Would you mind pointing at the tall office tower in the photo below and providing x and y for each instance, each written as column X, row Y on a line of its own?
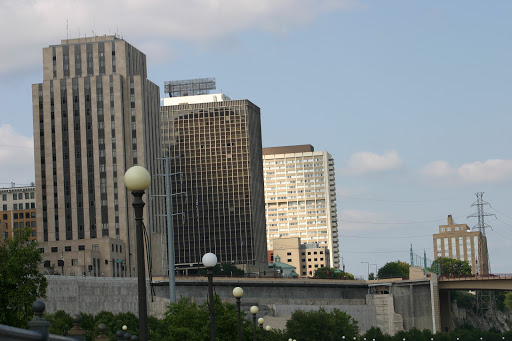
column 459, row 242
column 215, row 146
column 300, row 197
column 17, row 211
column 95, row 115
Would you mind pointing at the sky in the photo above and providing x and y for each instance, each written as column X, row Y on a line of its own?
column 411, row 98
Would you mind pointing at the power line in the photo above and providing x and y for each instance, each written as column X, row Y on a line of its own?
column 396, row 251
column 12, row 146
column 381, row 237
column 394, row 223
column 390, row 200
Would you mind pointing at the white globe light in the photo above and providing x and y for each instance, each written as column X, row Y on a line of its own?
column 261, row 320
column 254, row 310
column 209, row 260
column 238, row 292
column 137, row 178
column 125, row 328
column 290, row 339
column 268, row 328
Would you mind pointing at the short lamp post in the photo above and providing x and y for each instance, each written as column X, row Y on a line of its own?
column 268, row 329
column 261, row 320
column 238, row 293
column 137, row 180
column 209, row 261
column 254, row 310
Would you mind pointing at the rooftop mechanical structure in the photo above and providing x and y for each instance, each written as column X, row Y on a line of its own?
column 189, row 87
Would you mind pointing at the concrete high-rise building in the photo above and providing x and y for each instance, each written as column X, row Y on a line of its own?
column 17, row 211
column 95, row 115
column 457, row 241
column 215, row 146
column 300, row 197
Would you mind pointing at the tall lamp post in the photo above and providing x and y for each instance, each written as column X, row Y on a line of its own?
column 254, row 310
column 238, row 293
column 261, row 320
column 268, row 328
column 368, row 276
column 210, row 260
column 137, row 179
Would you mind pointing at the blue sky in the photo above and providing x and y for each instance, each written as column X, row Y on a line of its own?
column 412, row 99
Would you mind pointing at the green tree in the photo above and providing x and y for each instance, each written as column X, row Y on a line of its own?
column 60, row 322
column 321, row 325
column 21, row 283
column 453, row 267
column 224, row 269
column 508, row 300
column 186, row 320
column 371, row 276
column 326, row 272
column 394, row 269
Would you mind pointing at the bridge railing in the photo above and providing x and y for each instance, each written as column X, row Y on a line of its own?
column 425, row 263
column 39, row 329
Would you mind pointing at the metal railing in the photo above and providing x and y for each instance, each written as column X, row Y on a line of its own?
column 39, row 329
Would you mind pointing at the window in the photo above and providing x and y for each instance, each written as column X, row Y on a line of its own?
column 81, row 247
column 26, row 195
column 4, row 207
column 4, row 197
column 288, row 253
column 15, row 207
column 74, row 262
column 67, row 248
column 54, row 249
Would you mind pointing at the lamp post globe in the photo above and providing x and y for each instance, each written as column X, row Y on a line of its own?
column 125, row 328
column 238, row 292
column 254, row 310
column 268, row 328
column 261, row 320
column 290, row 339
column 209, row 260
column 137, row 178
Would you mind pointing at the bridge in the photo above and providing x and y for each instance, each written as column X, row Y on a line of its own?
column 490, row 282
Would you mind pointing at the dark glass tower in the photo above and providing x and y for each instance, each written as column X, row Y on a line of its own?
column 217, row 160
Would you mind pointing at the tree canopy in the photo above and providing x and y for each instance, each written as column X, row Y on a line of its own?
column 394, row 269
column 321, row 325
column 326, row 272
column 453, row 267
column 21, row 283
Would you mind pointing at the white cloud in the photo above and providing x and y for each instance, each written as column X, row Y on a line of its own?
column 16, row 157
column 490, row 171
column 34, row 24
column 367, row 162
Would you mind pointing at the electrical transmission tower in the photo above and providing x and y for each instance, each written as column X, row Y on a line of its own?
column 485, row 299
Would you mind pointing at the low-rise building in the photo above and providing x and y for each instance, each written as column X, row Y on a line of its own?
column 457, row 241
column 17, row 211
column 306, row 258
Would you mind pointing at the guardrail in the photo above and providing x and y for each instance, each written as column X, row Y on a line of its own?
column 39, row 329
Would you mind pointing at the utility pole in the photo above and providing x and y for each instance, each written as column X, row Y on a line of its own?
column 170, row 229
column 485, row 299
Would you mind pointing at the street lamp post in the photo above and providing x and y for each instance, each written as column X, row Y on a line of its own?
column 368, row 276
column 210, row 260
column 137, row 179
column 238, row 293
column 261, row 320
column 268, row 328
column 254, row 310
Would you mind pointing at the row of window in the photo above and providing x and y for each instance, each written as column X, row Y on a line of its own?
column 19, row 196
column 16, row 207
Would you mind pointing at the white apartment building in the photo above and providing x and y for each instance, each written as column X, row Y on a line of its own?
column 300, row 197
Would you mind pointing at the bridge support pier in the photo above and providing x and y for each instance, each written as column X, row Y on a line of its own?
column 446, row 311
